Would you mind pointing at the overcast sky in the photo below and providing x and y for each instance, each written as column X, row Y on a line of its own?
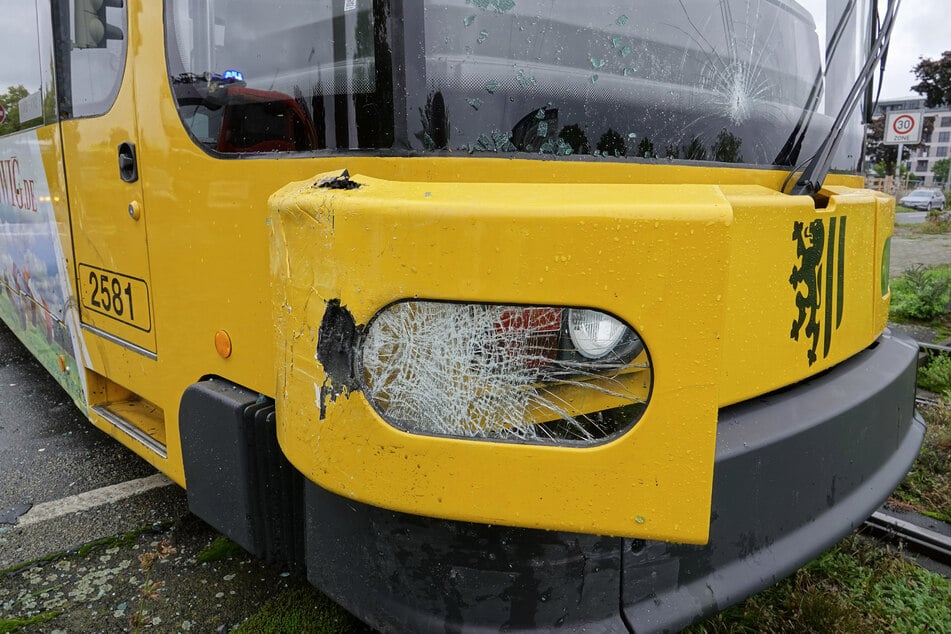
column 21, row 67
column 922, row 30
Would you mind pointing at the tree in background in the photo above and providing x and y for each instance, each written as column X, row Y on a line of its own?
column 935, row 80
column 11, row 103
column 940, row 170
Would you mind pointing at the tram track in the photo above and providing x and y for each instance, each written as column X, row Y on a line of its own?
column 923, row 541
column 933, row 545
column 927, row 400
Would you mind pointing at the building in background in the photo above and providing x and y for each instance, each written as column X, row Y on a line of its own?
column 935, row 145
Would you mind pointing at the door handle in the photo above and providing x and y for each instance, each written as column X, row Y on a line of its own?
column 128, row 166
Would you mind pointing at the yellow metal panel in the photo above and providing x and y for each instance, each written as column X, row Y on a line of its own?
column 107, row 240
column 655, row 256
column 112, row 278
column 110, row 246
column 715, row 279
column 766, row 348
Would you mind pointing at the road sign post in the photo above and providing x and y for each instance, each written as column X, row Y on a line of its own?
column 902, row 128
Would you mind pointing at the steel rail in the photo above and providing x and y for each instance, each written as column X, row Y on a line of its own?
column 929, row 543
column 933, row 346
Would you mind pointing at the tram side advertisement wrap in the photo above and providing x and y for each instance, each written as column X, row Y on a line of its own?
column 34, row 294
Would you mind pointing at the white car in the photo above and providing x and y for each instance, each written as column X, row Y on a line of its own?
column 925, row 199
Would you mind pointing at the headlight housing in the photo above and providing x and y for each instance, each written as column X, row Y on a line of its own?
column 599, row 336
column 541, row 374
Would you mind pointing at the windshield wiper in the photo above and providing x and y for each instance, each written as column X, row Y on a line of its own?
column 789, row 155
column 815, row 172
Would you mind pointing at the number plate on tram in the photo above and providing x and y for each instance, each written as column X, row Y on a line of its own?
column 114, row 295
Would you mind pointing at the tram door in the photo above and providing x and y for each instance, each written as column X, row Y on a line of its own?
column 107, row 209
column 108, row 216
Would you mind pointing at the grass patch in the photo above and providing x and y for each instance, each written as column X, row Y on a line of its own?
column 220, row 548
column 934, row 227
column 303, row 610
column 927, row 487
column 857, row 587
column 12, row 625
column 935, row 374
column 921, row 294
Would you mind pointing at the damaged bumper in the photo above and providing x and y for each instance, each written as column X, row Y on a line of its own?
column 795, row 471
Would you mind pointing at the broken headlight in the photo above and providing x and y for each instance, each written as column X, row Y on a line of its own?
column 543, row 374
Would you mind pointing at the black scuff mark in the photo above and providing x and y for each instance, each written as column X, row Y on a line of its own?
column 831, row 495
column 338, row 182
column 337, row 343
column 11, row 514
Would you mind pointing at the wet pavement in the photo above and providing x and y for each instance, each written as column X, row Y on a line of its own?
column 50, row 459
column 100, row 588
column 48, row 451
column 910, row 217
column 46, row 445
column 912, row 249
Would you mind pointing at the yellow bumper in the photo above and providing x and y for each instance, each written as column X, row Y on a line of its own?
column 715, row 279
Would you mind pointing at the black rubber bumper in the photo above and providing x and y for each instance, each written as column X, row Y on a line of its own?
column 795, row 471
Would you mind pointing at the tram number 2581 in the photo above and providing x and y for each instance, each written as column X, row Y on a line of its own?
column 115, row 295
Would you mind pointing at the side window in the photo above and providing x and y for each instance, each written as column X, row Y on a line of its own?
column 27, row 91
column 248, row 78
column 97, row 51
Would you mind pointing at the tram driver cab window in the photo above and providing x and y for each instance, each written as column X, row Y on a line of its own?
column 27, row 91
column 249, row 79
column 97, row 54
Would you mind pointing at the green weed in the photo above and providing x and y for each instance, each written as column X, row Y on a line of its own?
column 927, row 487
column 921, row 293
column 123, row 539
column 857, row 586
column 12, row 625
column 940, row 225
column 304, row 610
column 220, row 548
column 149, row 590
column 935, row 375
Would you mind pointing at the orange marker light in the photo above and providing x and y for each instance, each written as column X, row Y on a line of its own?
column 223, row 343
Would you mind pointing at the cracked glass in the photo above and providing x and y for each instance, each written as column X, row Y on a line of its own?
column 756, row 82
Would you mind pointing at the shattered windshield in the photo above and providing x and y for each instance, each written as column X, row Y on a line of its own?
column 730, row 81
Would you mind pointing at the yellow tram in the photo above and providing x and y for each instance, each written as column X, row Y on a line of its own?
column 489, row 314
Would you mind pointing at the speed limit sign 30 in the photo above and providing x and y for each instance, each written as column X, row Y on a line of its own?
column 902, row 127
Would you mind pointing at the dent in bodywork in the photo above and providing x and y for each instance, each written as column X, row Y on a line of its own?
column 336, row 343
column 338, row 182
